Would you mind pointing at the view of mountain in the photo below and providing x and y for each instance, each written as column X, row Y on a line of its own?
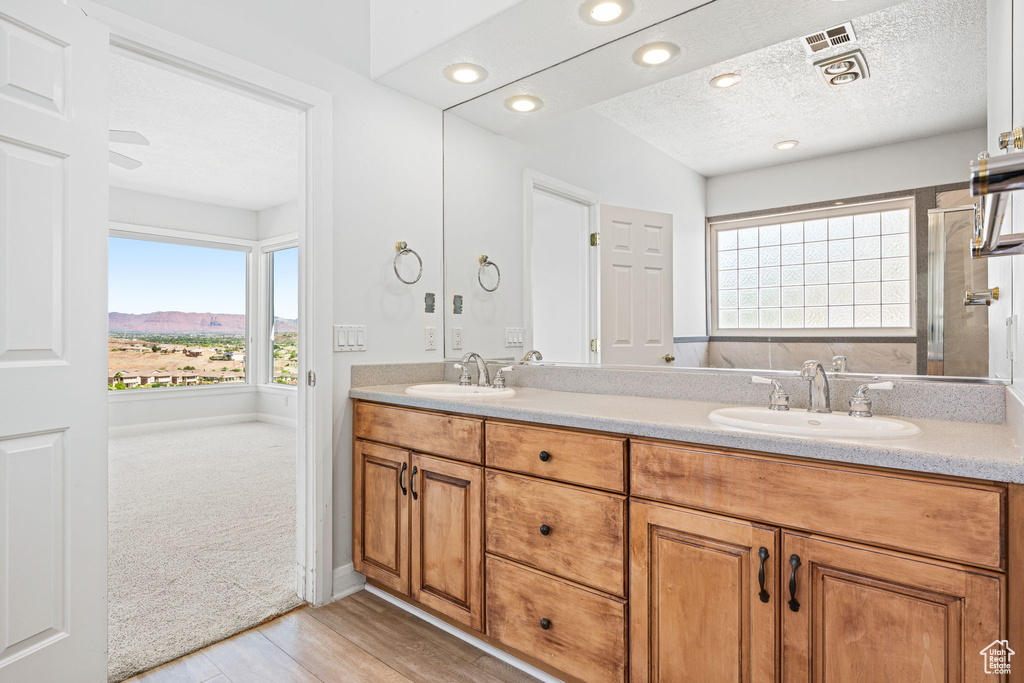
column 192, row 323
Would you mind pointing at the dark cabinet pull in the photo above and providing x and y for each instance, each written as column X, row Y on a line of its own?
column 545, row 530
column 401, row 478
column 763, row 555
column 412, row 482
column 794, row 562
column 544, row 456
column 545, row 624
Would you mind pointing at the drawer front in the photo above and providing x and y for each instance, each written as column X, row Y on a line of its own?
column 584, row 459
column 585, row 529
column 459, row 438
column 585, row 634
column 949, row 520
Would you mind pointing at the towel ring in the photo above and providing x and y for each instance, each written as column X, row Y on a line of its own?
column 402, row 249
column 484, row 262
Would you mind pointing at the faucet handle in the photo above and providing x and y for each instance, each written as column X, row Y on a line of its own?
column 860, row 404
column 779, row 399
column 758, row 379
column 465, row 379
column 884, row 386
column 499, row 377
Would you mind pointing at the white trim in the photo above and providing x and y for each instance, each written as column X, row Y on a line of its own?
column 314, row 481
column 534, row 182
column 346, row 581
column 278, row 389
column 465, row 637
column 179, row 392
column 178, row 425
column 277, row 420
column 138, row 231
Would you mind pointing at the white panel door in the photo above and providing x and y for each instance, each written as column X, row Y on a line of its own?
column 636, row 286
column 53, row 417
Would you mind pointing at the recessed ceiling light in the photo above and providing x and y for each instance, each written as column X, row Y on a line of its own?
column 786, row 144
column 465, row 73
column 604, row 12
column 656, row 54
column 524, row 104
column 726, row 80
column 843, row 79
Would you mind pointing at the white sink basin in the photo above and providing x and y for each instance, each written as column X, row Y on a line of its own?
column 824, row 425
column 456, row 391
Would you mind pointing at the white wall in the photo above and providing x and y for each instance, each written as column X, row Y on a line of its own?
column 484, row 212
column 931, row 161
column 279, row 220
column 158, row 211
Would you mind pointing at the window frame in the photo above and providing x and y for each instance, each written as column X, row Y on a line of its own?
column 196, row 239
column 267, row 248
column 770, row 218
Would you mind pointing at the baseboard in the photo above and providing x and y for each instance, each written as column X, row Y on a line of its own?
column 465, row 637
column 147, row 427
column 277, row 420
column 346, row 581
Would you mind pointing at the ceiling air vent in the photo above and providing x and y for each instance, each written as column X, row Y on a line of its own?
column 837, row 35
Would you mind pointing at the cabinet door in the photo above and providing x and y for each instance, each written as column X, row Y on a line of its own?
column 447, row 538
column 380, row 508
column 697, row 609
column 863, row 614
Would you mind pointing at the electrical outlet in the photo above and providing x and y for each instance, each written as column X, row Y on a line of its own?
column 456, row 338
column 430, row 338
column 350, row 337
column 514, row 337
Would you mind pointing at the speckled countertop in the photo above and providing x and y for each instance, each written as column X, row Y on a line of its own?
column 962, row 449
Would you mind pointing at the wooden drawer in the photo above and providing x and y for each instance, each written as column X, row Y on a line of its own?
column 946, row 519
column 460, row 438
column 586, row 529
column 586, row 634
column 584, row 459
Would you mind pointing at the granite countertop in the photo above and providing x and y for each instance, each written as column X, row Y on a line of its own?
column 961, row 449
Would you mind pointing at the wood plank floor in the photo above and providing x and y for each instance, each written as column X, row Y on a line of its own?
column 358, row 638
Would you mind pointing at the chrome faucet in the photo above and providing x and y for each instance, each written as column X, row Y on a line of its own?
column 532, row 355
column 839, row 363
column 483, row 375
column 814, row 373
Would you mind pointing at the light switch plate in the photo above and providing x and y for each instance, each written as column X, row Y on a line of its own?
column 350, row 337
column 430, row 338
column 514, row 337
column 456, row 338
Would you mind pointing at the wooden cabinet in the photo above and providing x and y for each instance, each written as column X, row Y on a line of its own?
column 862, row 614
column 698, row 611
column 447, row 538
column 380, row 505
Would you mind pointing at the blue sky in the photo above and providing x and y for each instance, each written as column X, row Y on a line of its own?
column 157, row 276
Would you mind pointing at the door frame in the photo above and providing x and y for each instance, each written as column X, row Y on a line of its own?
column 533, row 181
column 314, row 474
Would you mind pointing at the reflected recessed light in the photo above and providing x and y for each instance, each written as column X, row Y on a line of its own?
column 465, row 73
column 603, row 12
column 786, row 144
column 656, row 54
column 524, row 104
column 726, row 80
column 843, row 79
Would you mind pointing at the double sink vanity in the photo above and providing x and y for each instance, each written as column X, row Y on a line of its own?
column 615, row 538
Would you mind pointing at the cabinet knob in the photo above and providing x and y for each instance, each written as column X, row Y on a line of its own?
column 544, row 456
column 545, row 530
column 545, row 624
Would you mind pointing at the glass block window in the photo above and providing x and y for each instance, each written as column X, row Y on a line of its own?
column 847, row 268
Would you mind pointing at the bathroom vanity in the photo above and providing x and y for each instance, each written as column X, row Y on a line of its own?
column 603, row 556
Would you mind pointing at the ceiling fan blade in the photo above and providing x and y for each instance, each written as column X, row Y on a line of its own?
column 123, row 161
column 130, row 137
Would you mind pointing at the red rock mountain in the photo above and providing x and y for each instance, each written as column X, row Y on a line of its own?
column 177, row 321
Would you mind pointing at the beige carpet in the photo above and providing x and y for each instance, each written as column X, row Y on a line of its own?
column 202, row 538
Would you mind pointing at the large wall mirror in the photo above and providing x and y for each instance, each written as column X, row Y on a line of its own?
column 749, row 184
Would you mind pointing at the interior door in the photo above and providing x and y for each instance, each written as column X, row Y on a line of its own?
column 53, row 407
column 380, row 534
column 863, row 614
column 447, row 538
column 636, row 286
column 699, row 607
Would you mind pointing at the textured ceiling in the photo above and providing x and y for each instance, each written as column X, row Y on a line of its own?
column 525, row 38
column 207, row 144
column 712, row 33
column 927, row 61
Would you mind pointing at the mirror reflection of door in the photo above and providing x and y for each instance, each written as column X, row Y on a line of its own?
column 560, row 278
column 636, row 286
